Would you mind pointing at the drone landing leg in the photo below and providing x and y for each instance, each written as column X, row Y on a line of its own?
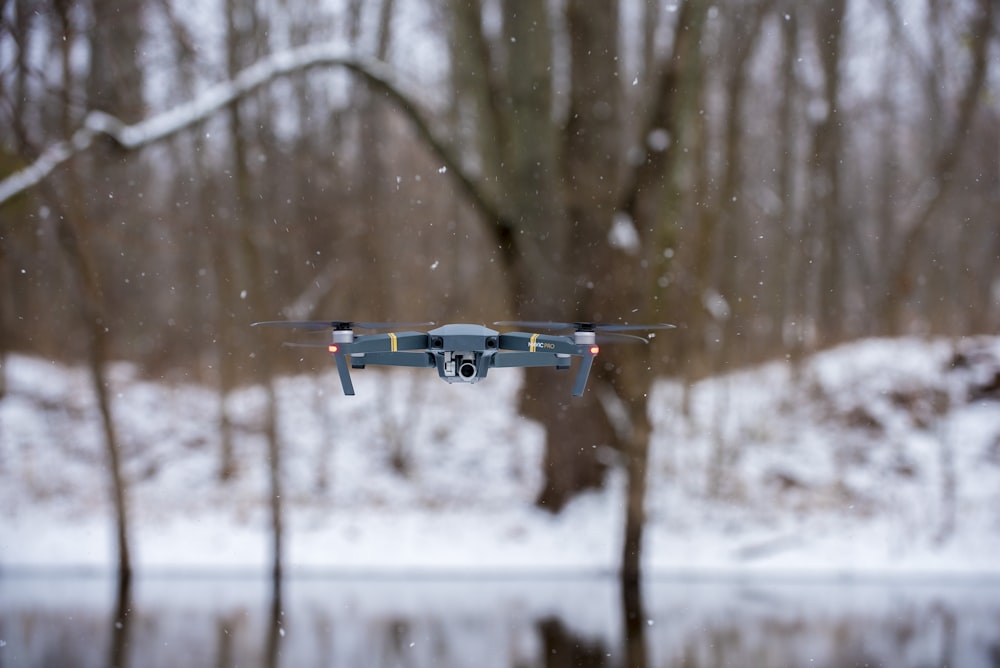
column 344, row 369
column 586, row 362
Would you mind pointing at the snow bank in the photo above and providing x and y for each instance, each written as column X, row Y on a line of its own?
column 879, row 457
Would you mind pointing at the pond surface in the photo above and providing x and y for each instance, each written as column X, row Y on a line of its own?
column 70, row 621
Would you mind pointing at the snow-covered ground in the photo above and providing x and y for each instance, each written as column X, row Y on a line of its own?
column 878, row 457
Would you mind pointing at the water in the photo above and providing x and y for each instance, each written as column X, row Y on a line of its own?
column 510, row 623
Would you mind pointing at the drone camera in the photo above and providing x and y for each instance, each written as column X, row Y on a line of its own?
column 467, row 369
column 459, row 367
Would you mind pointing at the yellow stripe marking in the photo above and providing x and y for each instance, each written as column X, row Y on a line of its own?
column 392, row 339
column 533, row 343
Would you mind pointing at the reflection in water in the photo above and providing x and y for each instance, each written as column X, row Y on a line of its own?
column 561, row 648
column 275, row 629
column 79, row 621
column 117, row 655
column 634, row 622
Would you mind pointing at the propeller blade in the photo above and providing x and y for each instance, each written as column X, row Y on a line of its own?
column 534, row 324
column 300, row 324
column 632, row 328
column 614, row 337
column 583, row 326
column 391, row 325
column 338, row 324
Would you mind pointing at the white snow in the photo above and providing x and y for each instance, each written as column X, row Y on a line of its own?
column 876, row 458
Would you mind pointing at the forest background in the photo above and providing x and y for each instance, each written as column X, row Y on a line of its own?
column 774, row 177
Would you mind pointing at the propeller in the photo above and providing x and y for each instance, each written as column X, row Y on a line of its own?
column 338, row 324
column 615, row 337
column 584, row 326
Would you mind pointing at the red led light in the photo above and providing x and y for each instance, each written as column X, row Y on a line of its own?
column 594, row 350
column 333, row 347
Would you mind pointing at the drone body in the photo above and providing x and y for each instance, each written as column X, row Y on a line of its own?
column 464, row 353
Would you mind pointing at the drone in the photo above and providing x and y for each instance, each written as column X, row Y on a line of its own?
column 464, row 353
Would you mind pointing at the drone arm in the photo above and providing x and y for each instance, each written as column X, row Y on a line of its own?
column 389, row 343
column 344, row 369
column 538, row 344
column 586, row 362
column 410, row 359
column 501, row 360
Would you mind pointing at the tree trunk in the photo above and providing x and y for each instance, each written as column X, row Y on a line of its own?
column 111, row 82
column 790, row 310
column 93, row 318
column 653, row 199
column 827, row 242
column 542, row 260
column 246, row 39
column 636, row 452
column 744, row 33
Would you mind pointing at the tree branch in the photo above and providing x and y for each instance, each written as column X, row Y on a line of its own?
column 377, row 74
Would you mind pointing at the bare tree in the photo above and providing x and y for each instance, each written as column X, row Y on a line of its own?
column 826, row 223
column 551, row 129
column 110, row 82
column 948, row 147
column 246, row 39
column 654, row 197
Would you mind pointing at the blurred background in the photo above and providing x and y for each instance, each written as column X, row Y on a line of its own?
column 777, row 178
column 823, row 171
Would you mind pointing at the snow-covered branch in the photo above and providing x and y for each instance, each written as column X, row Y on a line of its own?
column 170, row 122
column 161, row 126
